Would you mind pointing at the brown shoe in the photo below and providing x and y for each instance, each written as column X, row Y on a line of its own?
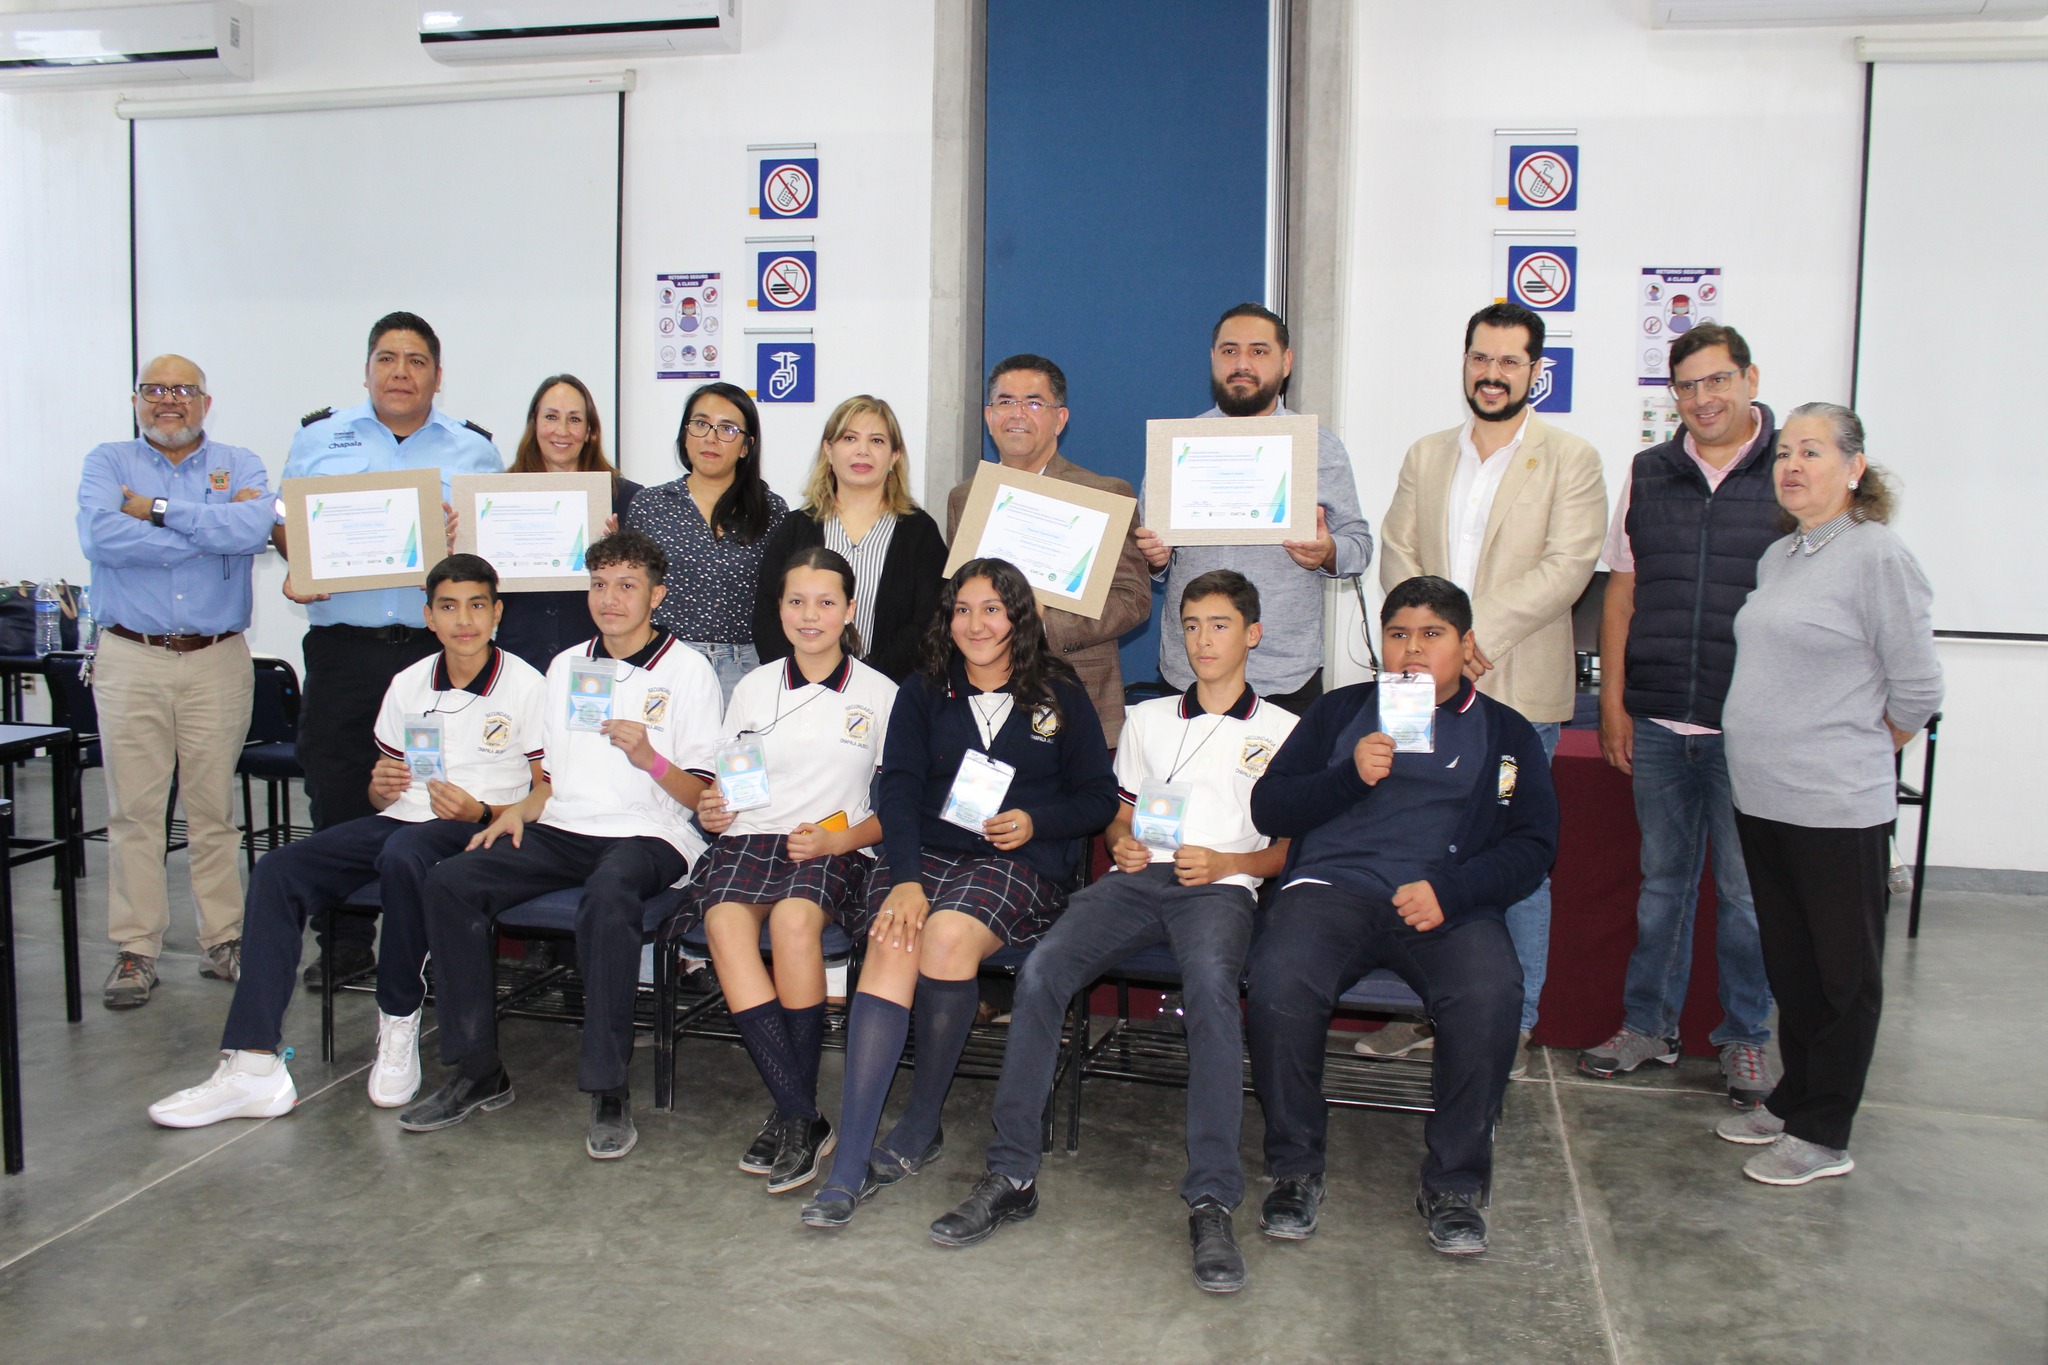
column 223, row 961
column 129, row 984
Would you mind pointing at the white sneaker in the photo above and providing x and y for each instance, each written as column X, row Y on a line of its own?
column 246, row 1085
column 395, row 1079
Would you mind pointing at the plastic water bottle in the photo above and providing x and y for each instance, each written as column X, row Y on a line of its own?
column 49, row 634
column 88, row 625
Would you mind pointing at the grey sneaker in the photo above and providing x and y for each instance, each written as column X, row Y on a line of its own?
column 1795, row 1161
column 1397, row 1039
column 1520, row 1070
column 1626, row 1051
column 1748, row 1073
column 129, row 984
column 223, row 961
column 1756, row 1127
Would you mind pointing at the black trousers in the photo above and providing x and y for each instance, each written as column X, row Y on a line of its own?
column 1315, row 943
column 467, row 893
column 1820, row 908
column 348, row 669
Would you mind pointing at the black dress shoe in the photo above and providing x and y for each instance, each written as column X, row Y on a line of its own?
column 995, row 1200
column 350, row 960
column 612, row 1133
column 759, row 1158
column 800, row 1153
column 1219, row 1265
column 1289, row 1212
column 456, row 1100
column 887, row 1169
column 1456, row 1226
column 833, row 1207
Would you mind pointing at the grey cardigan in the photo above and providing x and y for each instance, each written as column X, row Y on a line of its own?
column 1828, row 646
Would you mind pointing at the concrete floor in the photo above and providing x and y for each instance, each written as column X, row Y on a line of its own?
column 1622, row 1230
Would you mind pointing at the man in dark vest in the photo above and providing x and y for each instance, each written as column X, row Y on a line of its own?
column 1689, row 526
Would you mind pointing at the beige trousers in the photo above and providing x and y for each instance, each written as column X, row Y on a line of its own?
column 158, row 712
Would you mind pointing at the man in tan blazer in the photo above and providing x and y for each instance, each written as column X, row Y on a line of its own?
column 1027, row 411
column 1513, row 511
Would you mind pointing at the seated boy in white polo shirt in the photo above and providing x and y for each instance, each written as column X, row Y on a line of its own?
column 1188, row 864
column 472, row 715
column 631, row 736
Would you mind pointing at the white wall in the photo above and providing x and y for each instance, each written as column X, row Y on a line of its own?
column 857, row 80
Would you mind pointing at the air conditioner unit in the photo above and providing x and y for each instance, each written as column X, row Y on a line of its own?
column 564, row 30
column 209, row 41
column 1817, row 13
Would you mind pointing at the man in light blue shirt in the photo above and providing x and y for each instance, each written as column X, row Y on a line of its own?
column 170, row 522
column 356, row 642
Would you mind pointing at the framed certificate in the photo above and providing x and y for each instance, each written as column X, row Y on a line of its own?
column 1231, row 480
column 533, row 528
column 1064, row 537
column 346, row 532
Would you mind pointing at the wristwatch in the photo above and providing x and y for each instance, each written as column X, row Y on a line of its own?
column 157, row 508
column 489, row 814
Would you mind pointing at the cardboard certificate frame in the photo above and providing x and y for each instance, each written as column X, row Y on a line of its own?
column 1301, row 488
column 470, row 489
column 297, row 496
column 991, row 478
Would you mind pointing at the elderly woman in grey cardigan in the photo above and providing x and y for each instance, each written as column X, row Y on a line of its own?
column 1834, row 671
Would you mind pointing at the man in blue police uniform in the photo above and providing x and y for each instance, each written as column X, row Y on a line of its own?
column 358, row 641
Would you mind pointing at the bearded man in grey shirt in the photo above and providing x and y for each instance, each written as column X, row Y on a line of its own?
column 1249, row 365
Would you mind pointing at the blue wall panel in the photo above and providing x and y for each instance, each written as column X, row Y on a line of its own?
column 1126, row 209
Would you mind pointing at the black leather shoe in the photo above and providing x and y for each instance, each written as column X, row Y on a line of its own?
column 1219, row 1265
column 759, row 1158
column 1456, row 1226
column 833, row 1207
column 1289, row 1212
column 350, row 960
column 612, row 1133
column 801, row 1152
column 886, row 1170
column 455, row 1101
column 993, row 1202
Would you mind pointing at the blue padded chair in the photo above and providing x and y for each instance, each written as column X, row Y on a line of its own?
column 271, row 755
column 72, row 706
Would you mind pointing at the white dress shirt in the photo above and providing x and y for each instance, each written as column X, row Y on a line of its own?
column 1471, row 503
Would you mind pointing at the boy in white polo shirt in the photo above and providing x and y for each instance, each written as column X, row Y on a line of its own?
column 1188, row 864
column 631, row 728
column 459, row 735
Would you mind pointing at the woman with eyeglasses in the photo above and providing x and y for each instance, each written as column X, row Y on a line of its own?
column 563, row 436
column 713, row 524
column 858, row 504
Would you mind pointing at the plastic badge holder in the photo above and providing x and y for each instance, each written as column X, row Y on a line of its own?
column 743, row 773
column 978, row 791
column 1408, row 711
column 423, row 749
column 590, row 694
column 1156, row 818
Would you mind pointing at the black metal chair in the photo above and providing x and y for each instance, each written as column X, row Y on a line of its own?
column 271, row 755
column 72, row 706
column 1921, row 796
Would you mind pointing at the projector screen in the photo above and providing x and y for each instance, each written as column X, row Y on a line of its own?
column 266, row 245
column 1953, row 280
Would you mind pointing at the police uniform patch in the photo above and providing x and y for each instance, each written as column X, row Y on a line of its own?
column 655, row 712
column 1045, row 722
column 859, row 723
column 1510, row 772
column 217, row 480
column 497, row 731
column 1256, row 754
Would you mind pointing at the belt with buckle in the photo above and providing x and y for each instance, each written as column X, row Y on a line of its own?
column 177, row 644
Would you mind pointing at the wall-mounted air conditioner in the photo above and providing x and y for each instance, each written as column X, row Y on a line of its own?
column 127, row 45
column 563, row 30
column 1815, row 13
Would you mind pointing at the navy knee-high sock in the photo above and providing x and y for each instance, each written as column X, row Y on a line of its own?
column 806, row 1029
column 762, row 1030
column 875, row 1030
column 945, row 1014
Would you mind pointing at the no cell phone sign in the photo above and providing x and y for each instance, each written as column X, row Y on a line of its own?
column 789, row 188
column 1543, row 179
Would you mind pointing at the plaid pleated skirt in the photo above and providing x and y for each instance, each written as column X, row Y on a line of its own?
column 1007, row 895
column 755, row 869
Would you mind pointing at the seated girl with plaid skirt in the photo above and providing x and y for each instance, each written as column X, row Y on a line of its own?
column 994, row 774
column 802, row 740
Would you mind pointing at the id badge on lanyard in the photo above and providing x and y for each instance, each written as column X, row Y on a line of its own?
column 1408, row 711
column 591, row 684
column 978, row 791
column 1157, row 816
column 743, row 773
column 423, row 755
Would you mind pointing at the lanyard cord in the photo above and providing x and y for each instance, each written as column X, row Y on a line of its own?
column 1174, row 771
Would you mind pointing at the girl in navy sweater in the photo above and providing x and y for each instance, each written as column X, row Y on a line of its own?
column 944, row 896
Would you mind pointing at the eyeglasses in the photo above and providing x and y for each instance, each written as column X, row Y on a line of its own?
column 1717, row 382
column 701, row 427
column 1510, row 365
column 1005, row 406
column 156, row 393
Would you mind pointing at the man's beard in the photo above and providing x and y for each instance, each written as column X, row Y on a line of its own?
column 176, row 439
column 1251, row 404
column 1506, row 414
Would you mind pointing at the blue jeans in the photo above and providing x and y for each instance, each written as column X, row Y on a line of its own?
column 1529, row 918
column 1684, row 804
column 730, row 662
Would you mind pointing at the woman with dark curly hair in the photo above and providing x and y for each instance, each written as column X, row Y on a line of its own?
column 993, row 776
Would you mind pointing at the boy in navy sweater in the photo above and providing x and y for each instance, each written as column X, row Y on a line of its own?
column 1408, row 861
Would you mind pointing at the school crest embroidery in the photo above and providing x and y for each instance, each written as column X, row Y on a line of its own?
column 1510, row 772
column 497, row 731
column 655, row 712
column 217, row 480
column 859, row 723
column 1256, row 754
column 1045, row 723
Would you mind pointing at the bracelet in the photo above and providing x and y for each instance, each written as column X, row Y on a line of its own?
column 489, row 814
column 659, row 768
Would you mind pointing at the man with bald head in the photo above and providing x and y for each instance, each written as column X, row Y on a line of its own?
column 170, row 522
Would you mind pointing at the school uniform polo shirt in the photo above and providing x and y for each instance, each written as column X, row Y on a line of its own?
column 490, row 728
column 822, row 741
column 1219, row 757
column 669, row 688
